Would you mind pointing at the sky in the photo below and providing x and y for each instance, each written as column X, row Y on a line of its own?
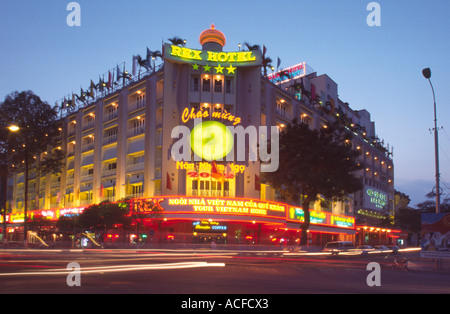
column 377, row 68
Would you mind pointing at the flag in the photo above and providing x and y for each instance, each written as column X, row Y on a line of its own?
column 278, row 63
column 118, row 73
column 257, row 183
column 101, row 190
column 92, row 88
column 169, row 182
column 228, row 173
column 149, row 58
column 134, row 66
column 109, row 80
column 215, row 173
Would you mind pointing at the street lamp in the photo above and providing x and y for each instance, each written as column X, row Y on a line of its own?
column 13, row 128
column 427, row 74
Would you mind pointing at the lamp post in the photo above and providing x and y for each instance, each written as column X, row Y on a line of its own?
column 427, row 74
column 15, row 128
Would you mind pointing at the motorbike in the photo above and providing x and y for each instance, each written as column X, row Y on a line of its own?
column 400, row 262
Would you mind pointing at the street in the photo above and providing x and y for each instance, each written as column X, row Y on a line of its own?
column 211, row 273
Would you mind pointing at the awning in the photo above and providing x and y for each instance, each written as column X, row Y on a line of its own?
column 87, row 160
column 110, row 153
column 315, row 228
column 332, row 230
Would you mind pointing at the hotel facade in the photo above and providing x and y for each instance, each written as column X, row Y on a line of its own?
column 121, row 146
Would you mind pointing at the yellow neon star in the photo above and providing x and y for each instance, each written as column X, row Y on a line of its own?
column 219, row 69
column 195, row 66
column 231, row 69
column 207, row 68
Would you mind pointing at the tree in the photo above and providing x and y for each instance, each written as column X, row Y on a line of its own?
column 266, row 61
column 177, row 41
column 35, row 140
column 429, row 206
column 151, row 209
column 313, row 163
column 104, row 216
column 252, row 47
column 142, row 63
column 153, row 55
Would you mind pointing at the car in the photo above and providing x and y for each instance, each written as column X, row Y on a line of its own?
column 338, row 246
column 365, row 249
column 382, row 248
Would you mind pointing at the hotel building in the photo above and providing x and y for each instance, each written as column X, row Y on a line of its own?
column 119, row 146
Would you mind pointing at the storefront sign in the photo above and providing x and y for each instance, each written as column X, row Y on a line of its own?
column 238, row 58
column 220, row 206
column 209, row 226
column 321, row 218
column 375, row 199
column 204, row 114
column 71, row 212
column 50, row 214
column 17, row 218
column 290, row 73
column 205, row 169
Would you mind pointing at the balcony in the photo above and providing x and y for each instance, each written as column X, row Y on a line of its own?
column 110, row 139
column 136, row 131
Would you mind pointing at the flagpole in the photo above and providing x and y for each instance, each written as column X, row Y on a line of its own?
column 123, row 74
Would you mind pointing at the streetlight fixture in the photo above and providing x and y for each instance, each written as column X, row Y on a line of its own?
column 13, row 128
column 427, row 74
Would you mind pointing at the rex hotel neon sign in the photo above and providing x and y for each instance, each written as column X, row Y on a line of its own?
column 203, row 56
column 211, row 56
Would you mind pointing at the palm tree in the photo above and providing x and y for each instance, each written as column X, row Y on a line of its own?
column 266, row 61
column 252, row 47
column 152, row 55
column 177, row 41
column 142, row 63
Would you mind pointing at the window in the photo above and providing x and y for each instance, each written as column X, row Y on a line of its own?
column 281, row 109
column 218, row 86
column 138, row 159
column 140, row 101
column 138, row 126
column 112, row 112
column 112, row 166
column 195, row 83
column 228, row 86
column 194, row 187
column 137, row 189
column 111, row 136
column 206, row 84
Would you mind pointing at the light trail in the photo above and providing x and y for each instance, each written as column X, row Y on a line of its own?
column 120, row 268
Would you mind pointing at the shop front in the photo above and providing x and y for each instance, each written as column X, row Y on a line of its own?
column 370, row 235
column 207, row 221
column 240, row 221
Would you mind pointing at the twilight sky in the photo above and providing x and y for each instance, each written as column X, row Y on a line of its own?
column 376, row 68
